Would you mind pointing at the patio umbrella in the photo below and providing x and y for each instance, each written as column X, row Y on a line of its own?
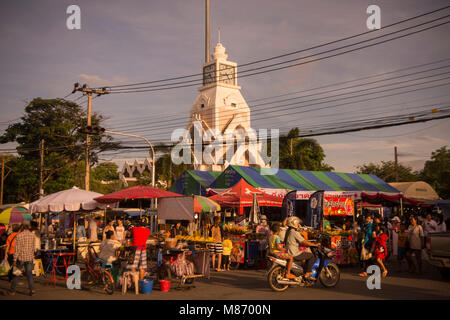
column 67, row 200
column 138, row 192
column 202, row 204
column 73, row 199
column 14, row 215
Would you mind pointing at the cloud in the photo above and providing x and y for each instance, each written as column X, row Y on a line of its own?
column 96, row 81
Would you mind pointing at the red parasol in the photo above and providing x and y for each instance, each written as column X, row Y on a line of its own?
column 241, row 195
column 138, row 192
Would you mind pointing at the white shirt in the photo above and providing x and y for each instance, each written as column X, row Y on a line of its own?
column 108, row 250
column 93, row 230
column 429, row 227
column 120, row 233
column 414, row 234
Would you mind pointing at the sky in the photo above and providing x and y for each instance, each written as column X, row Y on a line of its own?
column 133, row 41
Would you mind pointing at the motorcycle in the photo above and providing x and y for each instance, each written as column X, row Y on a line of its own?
column 324, row 270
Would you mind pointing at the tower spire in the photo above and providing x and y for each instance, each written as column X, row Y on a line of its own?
column 207, row 45
column 219, row 35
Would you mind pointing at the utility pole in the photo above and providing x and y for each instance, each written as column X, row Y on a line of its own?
column 396, row 164
column 41, row 169
column 3, row 177
column 207, row 44
column 88, row 91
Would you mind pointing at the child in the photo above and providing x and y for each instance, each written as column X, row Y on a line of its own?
column 277, row 250
column 402, row 243
column 380, row 248
column 227, row 246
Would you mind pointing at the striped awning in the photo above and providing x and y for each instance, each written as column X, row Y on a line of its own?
column 301, row 180
column 194, row 182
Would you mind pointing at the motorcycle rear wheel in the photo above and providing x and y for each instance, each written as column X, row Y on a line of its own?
column 330, row 280
column 274, row 274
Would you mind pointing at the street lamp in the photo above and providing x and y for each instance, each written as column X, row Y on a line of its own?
column 98, row 130
column 147, row 141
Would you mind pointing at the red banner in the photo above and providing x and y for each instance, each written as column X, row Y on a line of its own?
column 338, row 206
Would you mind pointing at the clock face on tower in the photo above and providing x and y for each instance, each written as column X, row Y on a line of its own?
column 209, row 74
column 227, row 74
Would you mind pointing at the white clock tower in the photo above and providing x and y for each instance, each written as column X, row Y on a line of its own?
column 220, row 106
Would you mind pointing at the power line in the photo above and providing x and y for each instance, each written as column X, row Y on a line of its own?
column 290, row 53
column 297, row 105
column 242, row 75
column 163, row 124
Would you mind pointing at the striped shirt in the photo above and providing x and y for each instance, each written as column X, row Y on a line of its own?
column 24, row 246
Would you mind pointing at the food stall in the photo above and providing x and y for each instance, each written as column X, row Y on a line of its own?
column 338, row 235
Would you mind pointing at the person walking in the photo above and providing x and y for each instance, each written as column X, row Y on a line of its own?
column 366, row 245
column 415, row 240
column 10, row 247
column 216, row 247
column 379, row 248
column 23, row 256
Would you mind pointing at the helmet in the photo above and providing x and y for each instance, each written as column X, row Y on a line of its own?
column 293, row 222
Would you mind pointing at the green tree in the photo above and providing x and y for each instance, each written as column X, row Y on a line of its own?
column 167, row 172
column 436, row 172
column 386, row 171
column 57, row 122
column 106, row 171
column 301, row 153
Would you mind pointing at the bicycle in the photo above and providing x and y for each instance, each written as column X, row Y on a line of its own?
column 96, row 272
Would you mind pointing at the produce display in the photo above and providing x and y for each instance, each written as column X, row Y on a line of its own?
column 195, row 239
column 232, row 229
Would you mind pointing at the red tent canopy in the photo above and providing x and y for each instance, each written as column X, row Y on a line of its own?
column 138, row 192
column 241, row 195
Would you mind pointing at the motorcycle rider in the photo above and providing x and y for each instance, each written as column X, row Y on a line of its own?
column 298, row 247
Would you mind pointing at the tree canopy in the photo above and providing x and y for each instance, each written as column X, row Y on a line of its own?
column 301, row 153
column 386, row 171
column 436, row 172
column 56, row 121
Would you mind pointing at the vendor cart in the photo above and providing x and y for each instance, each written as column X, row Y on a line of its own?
column 183, row 262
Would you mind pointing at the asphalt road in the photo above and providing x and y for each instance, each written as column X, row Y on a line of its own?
column 251, row 284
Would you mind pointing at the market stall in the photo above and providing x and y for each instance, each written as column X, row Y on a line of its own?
column 338, row 219
column 67, row 206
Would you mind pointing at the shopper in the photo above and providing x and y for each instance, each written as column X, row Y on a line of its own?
column 415, row 241
column 120, row 231
column 227, row 247
column 429, row 226
column 402, row 245
column 108, row 247
column 366, row 244
column 140, row 235
column 23, row 256
column 109, row 227
column 379, row 248
column 216, row 247
column 10, row 247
